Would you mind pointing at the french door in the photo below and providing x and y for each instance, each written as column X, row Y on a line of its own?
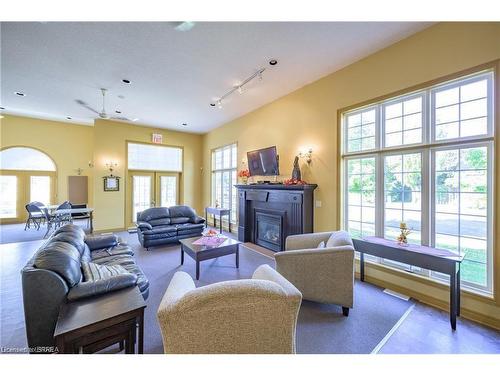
column 150, row 189
column 18, row 188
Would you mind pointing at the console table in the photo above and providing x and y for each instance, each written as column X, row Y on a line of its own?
column 438, row 260
column 90, row 325
column 217, row 211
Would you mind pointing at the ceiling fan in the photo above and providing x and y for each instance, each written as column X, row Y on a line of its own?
column 102, row 114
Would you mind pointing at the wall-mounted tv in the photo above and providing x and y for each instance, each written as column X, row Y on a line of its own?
column 263, row 162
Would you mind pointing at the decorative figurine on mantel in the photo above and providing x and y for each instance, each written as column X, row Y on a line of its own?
column 296, row 175
column 403, row 236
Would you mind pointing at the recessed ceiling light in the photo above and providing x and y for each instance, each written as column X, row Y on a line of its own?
column 1, row 108
column 68, row 118
column 184, row 124
column 117, row 111
column 18, row 93
column 273, row 62
column 212, row 104
column 127, row 81
column 121, row 97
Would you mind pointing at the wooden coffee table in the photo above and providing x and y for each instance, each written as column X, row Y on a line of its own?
column 202, row 252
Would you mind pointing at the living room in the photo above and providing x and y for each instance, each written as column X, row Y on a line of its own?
column 203, row 170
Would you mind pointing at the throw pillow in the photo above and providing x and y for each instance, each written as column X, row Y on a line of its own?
column 339, row 238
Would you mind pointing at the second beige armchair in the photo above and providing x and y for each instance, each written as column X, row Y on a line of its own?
column 323, row 275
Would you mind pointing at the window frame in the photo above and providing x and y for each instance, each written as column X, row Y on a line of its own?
column 427, row 149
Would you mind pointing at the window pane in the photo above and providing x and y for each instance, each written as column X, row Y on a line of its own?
column 40, row 189
column 402, row 184
column 361, row 130
column 464, row 110
column 25, row 158
column 361, row 196
column 168, row 191
column 224, row 177
column 141, row 198
column 403, row 122
column 154, row 158
column 461, row 205
column 8, row 197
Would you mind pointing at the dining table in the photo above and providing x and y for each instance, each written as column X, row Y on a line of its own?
column 54, row 215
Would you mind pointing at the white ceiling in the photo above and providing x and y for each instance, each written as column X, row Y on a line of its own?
column 175, row 75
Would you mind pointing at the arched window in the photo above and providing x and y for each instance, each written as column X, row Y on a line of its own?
column 25, row 159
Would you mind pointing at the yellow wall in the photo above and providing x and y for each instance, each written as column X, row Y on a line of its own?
column 308, row 116
column 70, row 146
column 73, row 146
column 110, row 144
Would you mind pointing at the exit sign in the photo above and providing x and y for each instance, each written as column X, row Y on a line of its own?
column 157, row 138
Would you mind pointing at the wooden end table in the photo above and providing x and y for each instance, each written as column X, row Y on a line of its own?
column 202, row 252
column 220, row 212
column 92, row 324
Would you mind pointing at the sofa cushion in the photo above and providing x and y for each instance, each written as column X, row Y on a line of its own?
column 180, row 220
column 339, row 238
column 70, row 228
column 86, row 255
column 94, row 272
column 161, row 229
column 61, row 258
column 129, row 264
column 182, row 211
column 158, row 222
column 143, row 225
column 110, row 251
column 190, row 227
column 99, row 279
column 153, row 213
column 72, row 238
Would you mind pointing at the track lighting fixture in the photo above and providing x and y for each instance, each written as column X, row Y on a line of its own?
column 239, row 88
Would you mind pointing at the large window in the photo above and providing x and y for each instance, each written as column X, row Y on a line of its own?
column 224, row 163
column 425, row 158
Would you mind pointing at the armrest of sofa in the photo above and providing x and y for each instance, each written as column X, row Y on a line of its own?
column 101, row 242
column 142, row 225
column 306, row 241
column 94, row 288
column 198, row 220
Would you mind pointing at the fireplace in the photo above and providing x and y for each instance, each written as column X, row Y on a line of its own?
column 269, row 229
column 268, row 213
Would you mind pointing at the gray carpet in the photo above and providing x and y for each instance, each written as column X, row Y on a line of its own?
column 321, row 328
column 10, row 233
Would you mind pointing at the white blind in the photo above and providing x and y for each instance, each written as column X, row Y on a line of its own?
column 154, row 158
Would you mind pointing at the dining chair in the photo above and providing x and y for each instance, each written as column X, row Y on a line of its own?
column 60, row 219
column 35, row 215
column 80, row 216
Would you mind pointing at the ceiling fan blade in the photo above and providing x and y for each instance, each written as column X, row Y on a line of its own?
column 83, row 104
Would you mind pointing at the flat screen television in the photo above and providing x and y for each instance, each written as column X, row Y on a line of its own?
column 263, row 162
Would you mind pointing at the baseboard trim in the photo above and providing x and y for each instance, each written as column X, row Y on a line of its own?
column 109, row 230
column 435, row 302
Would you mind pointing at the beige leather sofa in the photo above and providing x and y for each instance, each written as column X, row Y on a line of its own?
column 241, row 316
column 322, row 275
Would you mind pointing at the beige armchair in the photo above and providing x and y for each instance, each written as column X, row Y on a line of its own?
column 240, row 316
column 323, row 275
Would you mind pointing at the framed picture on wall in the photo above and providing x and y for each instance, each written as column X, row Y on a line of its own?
column 111, row 183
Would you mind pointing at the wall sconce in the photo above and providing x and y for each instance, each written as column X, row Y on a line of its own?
column 307, row 154
column 110, row 165
column 91, row 164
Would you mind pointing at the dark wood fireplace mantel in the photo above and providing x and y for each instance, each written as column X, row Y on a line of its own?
column 282, row 210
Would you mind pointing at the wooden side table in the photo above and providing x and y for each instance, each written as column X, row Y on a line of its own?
column 217, row 211
column 92, row 324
